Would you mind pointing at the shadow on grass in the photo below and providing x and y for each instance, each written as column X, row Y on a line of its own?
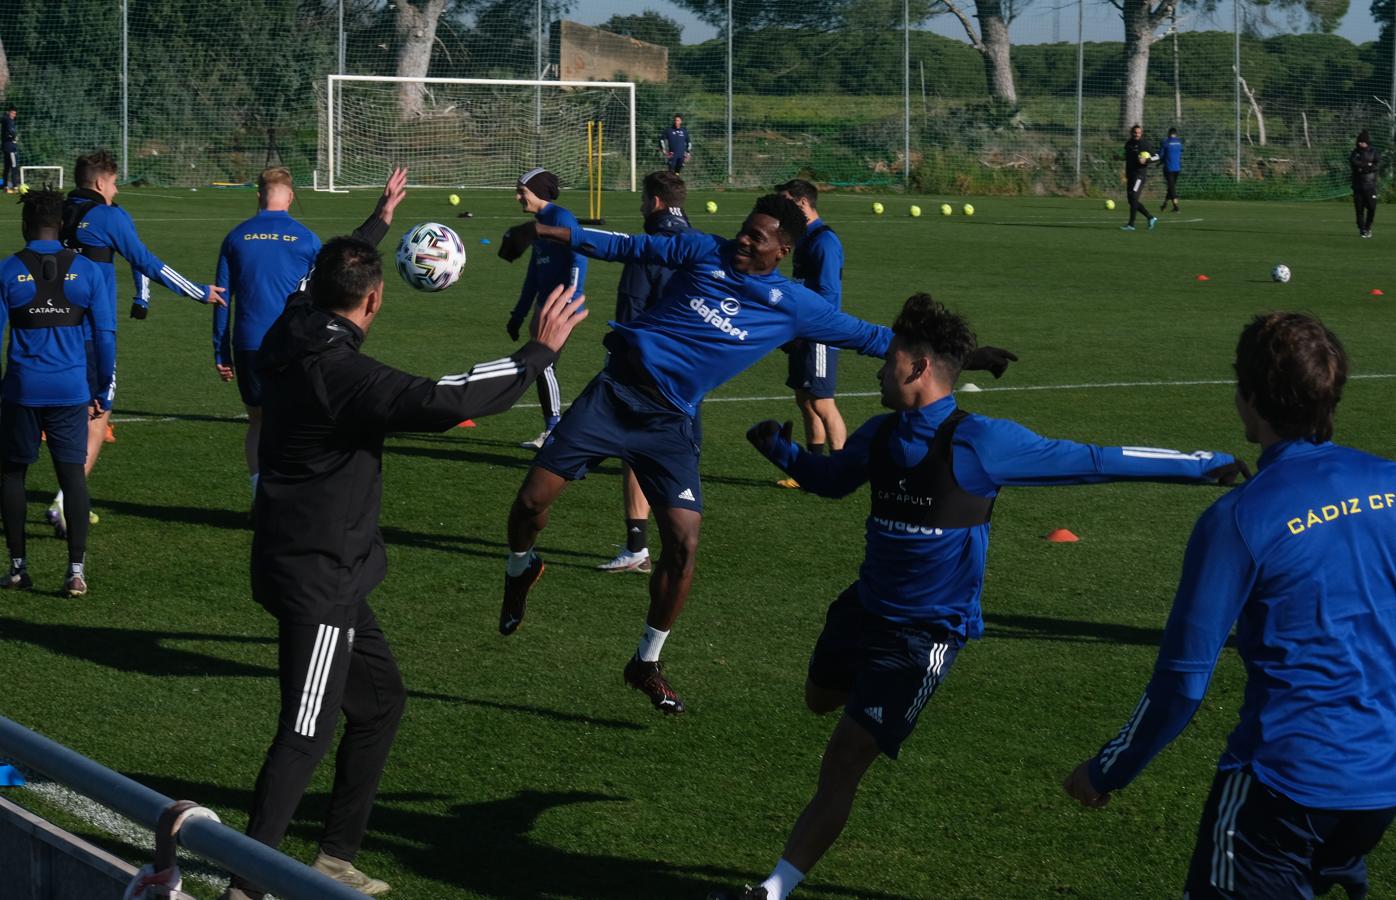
column 152, row 653
column 487, row 848
column 1043, row 628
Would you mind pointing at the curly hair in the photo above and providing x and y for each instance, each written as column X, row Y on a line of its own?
column 787, row 213
column 1292, row 369
column 925, row 326
column 41, row 209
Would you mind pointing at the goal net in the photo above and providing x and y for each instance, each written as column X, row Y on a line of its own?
column 473, row 132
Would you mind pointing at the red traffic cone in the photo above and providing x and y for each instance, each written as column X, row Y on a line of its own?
column 1203, row 278
column 1061, row 536
column 1376, row 292
column 468, row 423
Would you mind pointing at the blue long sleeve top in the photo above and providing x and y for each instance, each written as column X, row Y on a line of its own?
column 262, row 261
column 110, row 226
column 713, row 322
column 1302, row 561
column 818, row 262
column 550, row 264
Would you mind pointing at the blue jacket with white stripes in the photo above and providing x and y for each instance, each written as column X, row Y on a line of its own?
column 935, row 575
column 1302, row 561
column 550, row 265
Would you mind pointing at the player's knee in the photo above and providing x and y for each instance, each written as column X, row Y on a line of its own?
column 822, row 701
column 680, row 551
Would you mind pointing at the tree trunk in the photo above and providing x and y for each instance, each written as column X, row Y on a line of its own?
column 416, row 34
column 997, row 51
column 1259, row 116
column 1141, row 21
column 4, row 71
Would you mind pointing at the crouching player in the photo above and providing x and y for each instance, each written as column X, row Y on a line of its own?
column 890, row 639
column 1302, row 560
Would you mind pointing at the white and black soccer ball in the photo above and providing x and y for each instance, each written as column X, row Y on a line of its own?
column 1280, row 273
column 430, row 257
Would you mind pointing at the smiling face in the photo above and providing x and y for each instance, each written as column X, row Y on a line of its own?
column 760, row 245
column 528, row 201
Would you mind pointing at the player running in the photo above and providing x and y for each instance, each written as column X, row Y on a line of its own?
column 262, row 261
column 1137, row 159
column 1302, row 562
column 726, row 308
column 935, row 471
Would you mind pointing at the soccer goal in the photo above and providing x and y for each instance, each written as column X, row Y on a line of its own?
column 470, row 132
column 53, row 180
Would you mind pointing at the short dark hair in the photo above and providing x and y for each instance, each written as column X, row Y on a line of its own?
column 800, row 189
column 346, row 269
column 12, row 108
column 1292, row 369
column 91, row 165
column 667, row 186
column 926, row 327
column 1172, row 132
column 41, row 209
column 788, row 215
column 1364, row 137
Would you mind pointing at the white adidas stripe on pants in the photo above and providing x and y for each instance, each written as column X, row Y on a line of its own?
column 317, row 675
column 1233, row 797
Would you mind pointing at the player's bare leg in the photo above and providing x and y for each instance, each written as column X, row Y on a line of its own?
column 814, row 423
column 822, row 700
column 669, row 587
column 527, row 518
column 827, row 412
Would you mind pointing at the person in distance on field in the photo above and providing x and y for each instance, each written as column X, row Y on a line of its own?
column 262, row 261
column 317, row 551
column 936, row 472
column 1302, row 562
column 548, row 268
column 56, row 302
column 643, row 408
column 1137, row 159
column 641, row 285
column 1364, row 162
column 1171, row 155
column 9, row 147
column 675, row 145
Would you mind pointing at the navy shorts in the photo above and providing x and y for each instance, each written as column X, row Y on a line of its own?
column 616, row 419
column 813, row 368
column 94, row 382
column 1256, row 842
column 889, row 669
column 65, row 427
column 249, row 381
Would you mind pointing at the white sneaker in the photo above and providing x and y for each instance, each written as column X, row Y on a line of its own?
column 538, row 442
column 626, row 561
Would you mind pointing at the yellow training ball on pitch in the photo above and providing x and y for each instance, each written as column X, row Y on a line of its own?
column 915, row 211
column 877, row 208
column 1143, row 156
column 23, row 189
column 711, row 206
column 455, row 199
column 968, row 210
column 1109, row 204
column 945, row 209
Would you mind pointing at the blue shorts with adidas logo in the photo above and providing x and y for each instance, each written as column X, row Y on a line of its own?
column 613, row 418
column 889, row 669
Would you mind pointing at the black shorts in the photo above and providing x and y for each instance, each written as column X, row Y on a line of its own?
column 889, row 669
column 249, row 381
column 23, row 427
column 813, row 368
column 1256, row 842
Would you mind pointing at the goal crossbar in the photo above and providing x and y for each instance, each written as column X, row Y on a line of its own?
column 333, row 91
column 25, row 170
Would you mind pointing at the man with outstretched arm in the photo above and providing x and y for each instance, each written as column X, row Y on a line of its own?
column 1302, row 562
column 726, row 307
column 935, row 473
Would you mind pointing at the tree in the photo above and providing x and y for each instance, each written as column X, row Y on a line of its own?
column 993, row 43
column 647, row 26
column 416, row 35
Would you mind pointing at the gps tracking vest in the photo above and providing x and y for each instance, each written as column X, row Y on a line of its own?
column 50, row 307
column 925, row 495
column 74, row 211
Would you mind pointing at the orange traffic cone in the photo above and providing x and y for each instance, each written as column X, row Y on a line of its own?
column 468, row 423
column 1376, row 292
column 1203, row 278
column 1061, row 536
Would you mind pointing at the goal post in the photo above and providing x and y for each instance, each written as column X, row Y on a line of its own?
column 469, row 132
column 45, row 178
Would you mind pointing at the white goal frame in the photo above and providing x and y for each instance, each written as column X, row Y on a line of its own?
column 24, row 170
column 331, row 91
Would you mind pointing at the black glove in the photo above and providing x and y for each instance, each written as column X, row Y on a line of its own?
column 138, row 311
column 1230, row 473
column 516, row 240
column 513, row 328
column 994, row 360
column 763, row 435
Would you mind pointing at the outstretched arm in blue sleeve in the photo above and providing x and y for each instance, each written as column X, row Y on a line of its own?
column 822, row 323
column 836, row 475
column 671, row 251
column 143, row 262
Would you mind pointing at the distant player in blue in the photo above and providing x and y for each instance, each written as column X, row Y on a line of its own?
column 935, row 473
column 1171, row 153
column 675, row 146
column 812, row 370
column 1302, row 562
column 549, row 267
column 9, row 147
column 725, row 308
column 263, row 261
column 55, row 302
column 100, row 230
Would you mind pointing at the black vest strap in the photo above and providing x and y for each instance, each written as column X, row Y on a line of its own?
column 50, row 307
column 74, row 209
column 926, row 495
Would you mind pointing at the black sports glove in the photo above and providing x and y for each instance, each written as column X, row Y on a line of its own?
column 763, row 435
column 513, row 328
column 1230, row 473
column 994, row 360
column 516, row 240
column 138, row 311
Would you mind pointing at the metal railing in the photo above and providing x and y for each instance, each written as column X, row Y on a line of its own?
column 197, row 830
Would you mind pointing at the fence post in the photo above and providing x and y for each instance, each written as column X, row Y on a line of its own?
column 1080, row 77
column 906, row 93
column 125, row 99
column 729, row 91
column 1236, row 77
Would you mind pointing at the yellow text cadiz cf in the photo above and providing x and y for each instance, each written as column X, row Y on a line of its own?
column 1331, row 511
column 269, row 236
column 26, row 277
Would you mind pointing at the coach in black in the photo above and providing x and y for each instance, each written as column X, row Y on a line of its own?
column 1137, row 159
column 317, row 551
column 1364, row 162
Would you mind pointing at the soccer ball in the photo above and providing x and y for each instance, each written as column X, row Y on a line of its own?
column 430, row 257
column 915, row 211
column 1280, row 273
column 877, row 208
column 1144, row 156
column 968, row 210
column 711, row 206
column 945, row 209
column 1109, row 204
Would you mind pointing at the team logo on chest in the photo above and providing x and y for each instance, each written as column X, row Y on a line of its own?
column 776, row 296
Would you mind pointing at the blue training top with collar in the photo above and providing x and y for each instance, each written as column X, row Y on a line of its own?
column 818, row 262
column 263, row 261
column 550, row 264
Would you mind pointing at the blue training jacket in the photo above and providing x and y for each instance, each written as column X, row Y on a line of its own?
column 909, row 575
column 551, row 264
column 713, row 322
column 1171, row 151
column 262, row 262
column 819, row 262
column 48, row 366
column 642, row 285
column 1302, row 560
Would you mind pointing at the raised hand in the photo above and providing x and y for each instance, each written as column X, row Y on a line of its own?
column 561, row 312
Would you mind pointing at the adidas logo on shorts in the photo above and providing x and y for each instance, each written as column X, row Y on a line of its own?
column 874, row 713
column 686, row 494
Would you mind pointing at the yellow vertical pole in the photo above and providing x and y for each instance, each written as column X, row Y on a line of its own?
column 600, row 127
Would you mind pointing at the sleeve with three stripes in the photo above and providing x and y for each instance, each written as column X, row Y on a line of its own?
column 144, row 263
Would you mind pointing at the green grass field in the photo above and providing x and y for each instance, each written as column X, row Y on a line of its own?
column 524, row 768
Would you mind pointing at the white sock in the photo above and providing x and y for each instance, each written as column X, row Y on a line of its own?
column 782, row 881
column 650, row 644
column 58, row 500
column 518, row 563
column 254, row 478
